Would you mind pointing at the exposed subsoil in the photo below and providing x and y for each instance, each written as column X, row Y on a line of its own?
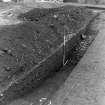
column 47, row 89
column 39, row 33
column 26, row 44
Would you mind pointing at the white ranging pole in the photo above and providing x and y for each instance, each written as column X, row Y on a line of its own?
column 64, row 51
column 66, row 39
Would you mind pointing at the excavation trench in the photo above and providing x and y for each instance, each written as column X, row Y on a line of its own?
column 46, row 90
column 35, row 49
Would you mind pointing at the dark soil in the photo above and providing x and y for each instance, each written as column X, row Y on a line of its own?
column 24, row 45
column 44, row 93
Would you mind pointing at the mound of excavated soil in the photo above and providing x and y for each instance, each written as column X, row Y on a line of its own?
column 34, row 47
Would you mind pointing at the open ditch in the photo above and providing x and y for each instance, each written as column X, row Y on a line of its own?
column 43, row 94
column 39, row 46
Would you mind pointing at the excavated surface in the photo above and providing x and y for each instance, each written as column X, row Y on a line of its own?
column 36, row 36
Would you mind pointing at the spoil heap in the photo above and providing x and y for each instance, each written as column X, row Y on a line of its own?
column 37, row 45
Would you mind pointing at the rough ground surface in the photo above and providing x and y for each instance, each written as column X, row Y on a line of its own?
column 47, row 90
column 86, row 84
column 25, row 44
column 28, row 43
